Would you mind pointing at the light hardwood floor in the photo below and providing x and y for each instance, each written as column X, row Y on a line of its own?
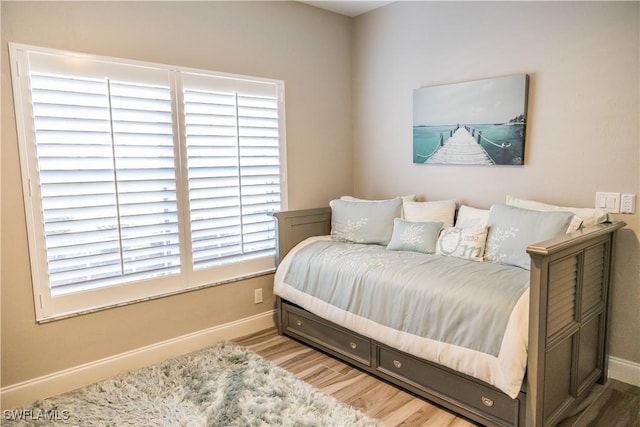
column 370, row 395
column 615, row 405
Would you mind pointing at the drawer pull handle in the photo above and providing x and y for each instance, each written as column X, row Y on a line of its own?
column 353, row 345
column 487, row 402
column 299, row 322
column 397, row 364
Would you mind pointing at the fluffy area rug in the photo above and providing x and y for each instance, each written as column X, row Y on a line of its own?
column 222, row 385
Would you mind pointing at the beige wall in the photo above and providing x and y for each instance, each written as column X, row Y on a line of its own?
column 582, row 137
column 583, row 115
column 307, row 48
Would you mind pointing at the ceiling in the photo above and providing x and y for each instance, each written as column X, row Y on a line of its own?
column 350, row 8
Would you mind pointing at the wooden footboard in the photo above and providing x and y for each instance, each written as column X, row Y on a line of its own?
column 569, row 293
column 568, row 320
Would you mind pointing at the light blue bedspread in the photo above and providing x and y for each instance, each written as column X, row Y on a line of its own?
column 446, row 299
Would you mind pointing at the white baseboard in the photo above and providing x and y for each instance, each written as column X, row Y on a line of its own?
column 23, row 393
column 624, row 370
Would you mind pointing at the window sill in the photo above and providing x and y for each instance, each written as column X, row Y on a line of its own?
column 154, row 297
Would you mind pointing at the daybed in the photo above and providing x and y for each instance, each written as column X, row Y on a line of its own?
column 502, row 318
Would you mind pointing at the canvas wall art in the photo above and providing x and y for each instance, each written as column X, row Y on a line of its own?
column 479, row 122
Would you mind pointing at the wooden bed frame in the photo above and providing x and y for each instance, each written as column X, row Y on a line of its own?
column 568, row 329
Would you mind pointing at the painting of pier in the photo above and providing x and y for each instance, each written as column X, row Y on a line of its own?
column 473, row 123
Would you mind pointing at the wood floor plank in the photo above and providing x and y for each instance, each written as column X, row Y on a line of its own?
column 395, row 408
column 349, row 394
column 324, row 378
column 613, row 408
column 403, row 413
column 348, row 387
column 419, row 417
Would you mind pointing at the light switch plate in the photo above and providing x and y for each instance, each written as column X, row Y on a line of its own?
column 608, row 202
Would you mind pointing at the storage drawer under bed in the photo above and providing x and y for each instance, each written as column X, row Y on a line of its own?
column 301, row 323
column 457, row 389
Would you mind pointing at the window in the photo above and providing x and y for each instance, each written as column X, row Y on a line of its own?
column 141, row 179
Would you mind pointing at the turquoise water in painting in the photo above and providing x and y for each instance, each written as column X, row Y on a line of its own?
column 426, row 140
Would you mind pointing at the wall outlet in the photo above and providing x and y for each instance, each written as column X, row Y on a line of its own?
column 257, row 296
column 628, row 204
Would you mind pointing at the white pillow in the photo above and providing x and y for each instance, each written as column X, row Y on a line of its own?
column 469, row 217
column 439, row 211
column 589, row 216
column 465, row 243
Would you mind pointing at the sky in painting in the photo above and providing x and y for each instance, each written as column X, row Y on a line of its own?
column 478, row 102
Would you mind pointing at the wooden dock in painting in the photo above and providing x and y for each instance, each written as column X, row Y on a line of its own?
column 461, row 149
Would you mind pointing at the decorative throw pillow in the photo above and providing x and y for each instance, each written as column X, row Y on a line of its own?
column 588, row 216
column 442, row 210
column 469, row 217
column 465, row 243
column 512, row 229
column 364, row 222
column 414, row 236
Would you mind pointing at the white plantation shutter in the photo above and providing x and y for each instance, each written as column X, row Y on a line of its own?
column 107, row 180
column 141, row 180
column 233, row 169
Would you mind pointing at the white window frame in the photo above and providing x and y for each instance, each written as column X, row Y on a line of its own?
column 51, row 307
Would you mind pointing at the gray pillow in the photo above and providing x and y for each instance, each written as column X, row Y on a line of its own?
column 364, row 222
column 512, row 229
column 589, row 216
column 414, row 236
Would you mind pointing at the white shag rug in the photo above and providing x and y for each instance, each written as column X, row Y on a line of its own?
column 222, row 385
